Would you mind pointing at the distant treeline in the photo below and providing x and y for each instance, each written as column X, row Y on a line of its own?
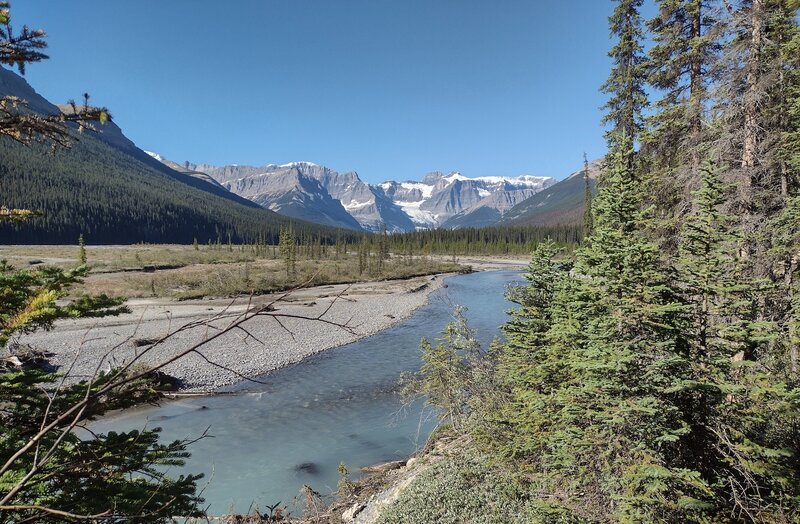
column 517, row 240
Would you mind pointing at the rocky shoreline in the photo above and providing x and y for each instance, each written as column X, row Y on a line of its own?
column 291, row 327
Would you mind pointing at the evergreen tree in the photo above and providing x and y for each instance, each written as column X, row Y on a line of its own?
column 530, row 367
column 755, row 98
column 587, row 200
column 680, row 65
column 626, row 427
column 17, row 50
column 45, row 466
column 790, row 136
column 288, row 250
column 81, row 249
column 592, row 368
column 785, row 238
column 626, row 83
column 754, row 112
column 743, row 437
column 363, row 253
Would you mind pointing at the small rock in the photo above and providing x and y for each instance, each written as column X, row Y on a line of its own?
column 355, row 509
column 307, row 467
column 382, row 468
column 410, row 462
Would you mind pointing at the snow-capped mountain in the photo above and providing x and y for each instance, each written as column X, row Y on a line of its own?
column 438, row 198
column 309, row 191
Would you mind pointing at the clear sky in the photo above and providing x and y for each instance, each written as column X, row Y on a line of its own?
column 391, row 89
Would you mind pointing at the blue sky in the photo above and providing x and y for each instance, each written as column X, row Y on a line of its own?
column 391, row 89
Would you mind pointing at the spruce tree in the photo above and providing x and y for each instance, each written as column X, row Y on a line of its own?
column 755, row 98
column 785, row 227
column 288, row 250
column 754, row 115
column 116, row 476
column 743, row 437
column 530, row 366
column 587, row 200
column 624, row 420
column 680, row 64
column 81, row 249
column 626, row 83
column 785, row 237
column 790, row 136
column 590, row 364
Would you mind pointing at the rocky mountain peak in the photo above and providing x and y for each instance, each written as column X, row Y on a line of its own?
column 344, row 200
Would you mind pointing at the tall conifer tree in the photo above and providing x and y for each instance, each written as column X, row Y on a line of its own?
column 626, row 83
column 680, row 65
column 530, row 367
column 588, row 224
column 743, row 439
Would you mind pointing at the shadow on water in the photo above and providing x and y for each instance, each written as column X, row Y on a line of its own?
column 340, row 405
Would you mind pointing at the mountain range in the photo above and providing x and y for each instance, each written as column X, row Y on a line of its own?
column 316, row 193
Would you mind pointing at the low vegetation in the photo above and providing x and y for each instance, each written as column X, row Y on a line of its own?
column 220, row 270
column 463, row 487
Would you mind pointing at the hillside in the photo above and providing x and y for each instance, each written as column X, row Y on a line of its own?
column 107, row 189
column 561, row 203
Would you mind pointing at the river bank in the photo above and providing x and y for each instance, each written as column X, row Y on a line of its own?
column 296, row 325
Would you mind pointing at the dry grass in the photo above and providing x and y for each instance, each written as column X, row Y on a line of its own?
column 115, row 258
column 186, row 272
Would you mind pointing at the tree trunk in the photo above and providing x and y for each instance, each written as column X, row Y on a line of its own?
column 750, row 131
column 696, row 91
column 791, row 267
column 751, row 95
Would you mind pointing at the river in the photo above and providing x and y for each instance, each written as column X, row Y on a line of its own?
column 340, row 405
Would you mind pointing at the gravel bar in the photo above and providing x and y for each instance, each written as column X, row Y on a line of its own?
column 264, row 344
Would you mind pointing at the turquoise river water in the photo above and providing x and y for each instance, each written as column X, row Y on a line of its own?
column 341, row 405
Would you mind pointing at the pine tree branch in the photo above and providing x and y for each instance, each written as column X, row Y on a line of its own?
column 54, row 512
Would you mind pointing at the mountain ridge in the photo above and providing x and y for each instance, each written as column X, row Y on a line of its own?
column 561, row 203
column 398, row 206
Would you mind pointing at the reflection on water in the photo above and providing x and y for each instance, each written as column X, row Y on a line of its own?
column 338, row 406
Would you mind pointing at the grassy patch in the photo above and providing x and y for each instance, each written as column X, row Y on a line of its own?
column 191, row 272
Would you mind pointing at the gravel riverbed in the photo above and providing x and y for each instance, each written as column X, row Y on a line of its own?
column 267, row 342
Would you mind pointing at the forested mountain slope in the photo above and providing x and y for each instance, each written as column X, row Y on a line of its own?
column 109, row 197
column 107, row 189
column 561, row 203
